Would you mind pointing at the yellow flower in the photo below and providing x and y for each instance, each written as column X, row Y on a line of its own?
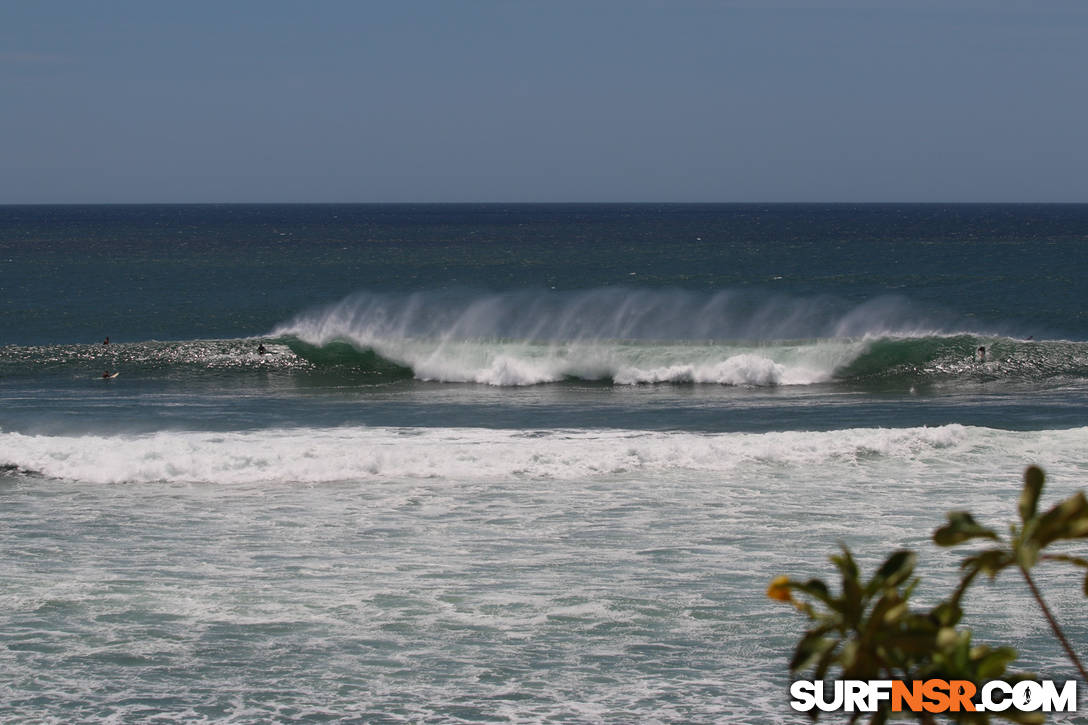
column 780, row 589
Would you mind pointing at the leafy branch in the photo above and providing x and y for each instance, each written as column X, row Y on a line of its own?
column 869, row 631
column 1064, row 521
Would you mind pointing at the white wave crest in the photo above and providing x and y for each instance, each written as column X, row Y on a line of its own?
column 744, row 369
column 311, row 456
column 508, row 364
column 628, row 336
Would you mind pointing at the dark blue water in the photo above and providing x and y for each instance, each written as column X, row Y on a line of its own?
column 77, row 273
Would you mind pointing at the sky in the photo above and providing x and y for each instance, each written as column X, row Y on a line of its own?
column 543, row 101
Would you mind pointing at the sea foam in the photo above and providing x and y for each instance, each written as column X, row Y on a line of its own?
column 319, row 455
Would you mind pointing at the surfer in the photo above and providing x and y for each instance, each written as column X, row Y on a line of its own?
column 106, row 375
column 982, row 353
column 261, row 350
column 106, row 341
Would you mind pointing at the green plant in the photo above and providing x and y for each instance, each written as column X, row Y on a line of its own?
column 1036, row 531
column 869, row 630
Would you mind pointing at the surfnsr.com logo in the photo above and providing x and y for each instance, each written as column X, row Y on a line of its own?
column 934, row 696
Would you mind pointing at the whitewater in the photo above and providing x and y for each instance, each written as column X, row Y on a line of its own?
column 467, row 574
column 314, row 456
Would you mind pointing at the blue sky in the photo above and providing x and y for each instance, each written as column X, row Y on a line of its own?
column 554, row 100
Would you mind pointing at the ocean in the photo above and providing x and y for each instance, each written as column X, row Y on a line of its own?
column 507, row 463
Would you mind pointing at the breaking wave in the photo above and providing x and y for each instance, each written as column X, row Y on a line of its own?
column 626, row 336
column 622, row 337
